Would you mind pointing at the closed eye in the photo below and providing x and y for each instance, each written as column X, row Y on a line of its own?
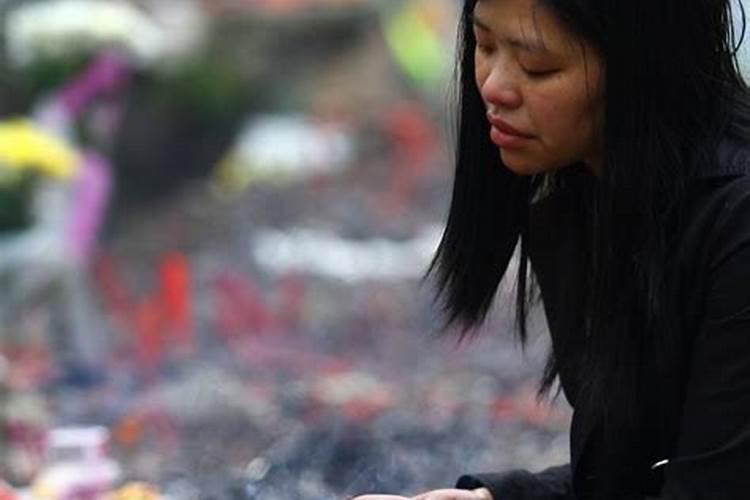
column 485, row 49
column 537, row 74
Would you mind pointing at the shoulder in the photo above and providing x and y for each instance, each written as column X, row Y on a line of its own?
column 718, row 217
column 732, row 159
column 719, row 200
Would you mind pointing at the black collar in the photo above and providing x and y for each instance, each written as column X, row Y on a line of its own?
column 733, row 160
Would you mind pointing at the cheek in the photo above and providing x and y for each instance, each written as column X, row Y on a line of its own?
column 561, row 112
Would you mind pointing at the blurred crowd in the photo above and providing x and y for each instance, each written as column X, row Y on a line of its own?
column 215, row 218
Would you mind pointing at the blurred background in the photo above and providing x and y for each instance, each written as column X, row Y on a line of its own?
column 215, row 217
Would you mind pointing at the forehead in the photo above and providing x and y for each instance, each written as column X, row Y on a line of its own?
column 527, row 24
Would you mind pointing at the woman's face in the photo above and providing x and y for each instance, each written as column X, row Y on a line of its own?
column 541, row 85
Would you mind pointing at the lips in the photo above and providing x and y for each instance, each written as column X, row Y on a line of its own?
column 506, row 136
column 506, row 128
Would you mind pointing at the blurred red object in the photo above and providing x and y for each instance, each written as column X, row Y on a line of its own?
column 524, row 406
column 149, row 341
column 291, row 292
column 240, row 308
column 117, row 299
column 414, row 140
column 160, row 320
column 176, row 297
column 6, row 492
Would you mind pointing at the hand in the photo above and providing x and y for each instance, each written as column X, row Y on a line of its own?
column 477, row 494
column 379, row 497
column 448, row 494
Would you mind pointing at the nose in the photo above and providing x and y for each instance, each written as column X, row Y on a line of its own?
column 499, row 91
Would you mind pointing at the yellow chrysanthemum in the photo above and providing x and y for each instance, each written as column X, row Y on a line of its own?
column 26, row 146
column 135, row 491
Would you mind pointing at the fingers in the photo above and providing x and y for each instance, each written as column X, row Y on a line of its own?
column 483, row 494
column 448, row 494
column 380, row 497
column 445, row 494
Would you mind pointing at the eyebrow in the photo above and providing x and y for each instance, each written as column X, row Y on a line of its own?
column 527, row 44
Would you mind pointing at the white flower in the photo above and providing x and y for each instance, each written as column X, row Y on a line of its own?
column 56, row 27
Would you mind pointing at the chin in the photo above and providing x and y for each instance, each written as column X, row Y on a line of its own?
column 521, row 163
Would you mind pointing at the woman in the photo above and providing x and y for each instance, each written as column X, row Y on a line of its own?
column 611, row 139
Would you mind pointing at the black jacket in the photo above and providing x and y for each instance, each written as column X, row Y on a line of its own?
column 704, row 453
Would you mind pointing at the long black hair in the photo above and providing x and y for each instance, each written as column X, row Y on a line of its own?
column 672, row 91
